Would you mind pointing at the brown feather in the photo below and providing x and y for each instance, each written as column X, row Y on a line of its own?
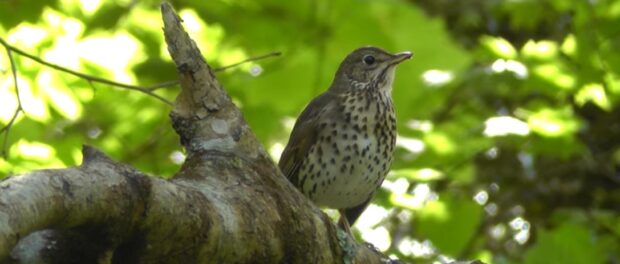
column 304, row 135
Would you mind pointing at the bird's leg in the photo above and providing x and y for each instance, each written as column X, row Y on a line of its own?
column 344, row 223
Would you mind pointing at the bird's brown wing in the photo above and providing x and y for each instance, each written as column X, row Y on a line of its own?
column 304, row 135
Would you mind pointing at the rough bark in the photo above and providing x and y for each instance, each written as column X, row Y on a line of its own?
column 229, row 203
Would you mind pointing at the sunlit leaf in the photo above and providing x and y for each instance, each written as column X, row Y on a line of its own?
column 594, row 93
column 485, row 256
column 440, row 142
column 59, row 95
column 418, row 175
column 505, row 125
column 99, row 50
column 90, row 6
column 613, row 83
column 555, row 75
column 27, row 36
column 62, row 25
column 553, row 122
column 416, row 203
column 542, row 50
column 34, row 152
column 498, row 47
column 8, row 101
column 569, row 45
column 33, row 101
column 209, row 38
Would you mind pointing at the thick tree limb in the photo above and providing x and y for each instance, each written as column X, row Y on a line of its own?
column 228, row 204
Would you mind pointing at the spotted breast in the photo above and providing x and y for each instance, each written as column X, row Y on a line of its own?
column 353, row 151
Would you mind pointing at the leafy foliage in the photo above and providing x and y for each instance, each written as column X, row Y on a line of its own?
column 508, row 114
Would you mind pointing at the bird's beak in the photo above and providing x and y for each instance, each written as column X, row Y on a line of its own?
column 400, row 57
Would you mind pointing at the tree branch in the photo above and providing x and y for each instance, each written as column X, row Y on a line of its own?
column 87, row 77
column 7, row 129
column 143, row 89
column 251, row 59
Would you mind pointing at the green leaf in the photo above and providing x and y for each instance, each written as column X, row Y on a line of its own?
column 14, row 12
column 555, row 75
column 594, row 93
column 418, row 175
column 498, row 47
column 612, row 83
column 550, row 122
column 569, row 45
column 440, row 142
column 449, row 223
column 566, row 244
column 61, row 98
column 542, row 50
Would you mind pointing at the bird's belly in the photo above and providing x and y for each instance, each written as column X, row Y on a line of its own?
column 349, row 169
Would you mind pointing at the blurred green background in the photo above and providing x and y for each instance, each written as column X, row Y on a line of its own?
column 508, row 113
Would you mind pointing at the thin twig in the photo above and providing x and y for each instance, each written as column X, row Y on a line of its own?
column 82, row 75
column 6, row 129
column 162, row 85
column 272, row 54
column 149, row 90
column 250, row 59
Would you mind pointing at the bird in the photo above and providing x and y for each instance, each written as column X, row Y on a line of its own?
column 342, row 144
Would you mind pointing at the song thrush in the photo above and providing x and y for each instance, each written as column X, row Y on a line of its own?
column 342, row 144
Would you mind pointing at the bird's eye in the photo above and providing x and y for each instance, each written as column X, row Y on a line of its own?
column 368, row 59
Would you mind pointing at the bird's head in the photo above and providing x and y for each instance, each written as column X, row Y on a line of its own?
column 367, row 68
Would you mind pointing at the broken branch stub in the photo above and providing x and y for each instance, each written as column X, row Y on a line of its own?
column 204, row 116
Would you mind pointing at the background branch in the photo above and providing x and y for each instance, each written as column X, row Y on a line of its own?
column 143, row 89
column 250, row 59
column 6, row 129
column 87, row 77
